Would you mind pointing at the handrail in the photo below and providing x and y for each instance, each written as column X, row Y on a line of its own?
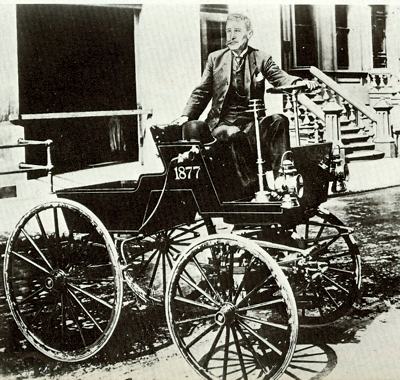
column 22, row 143
column 74, row 115
column 367, row 111
column 311, row 106
column 24, row 167
column 110, row 113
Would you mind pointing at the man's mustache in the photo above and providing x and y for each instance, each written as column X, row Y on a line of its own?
column 231, row 42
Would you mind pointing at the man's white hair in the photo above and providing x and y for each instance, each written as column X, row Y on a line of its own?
column 240, row 17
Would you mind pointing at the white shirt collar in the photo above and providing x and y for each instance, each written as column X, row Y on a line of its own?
column 242, row 54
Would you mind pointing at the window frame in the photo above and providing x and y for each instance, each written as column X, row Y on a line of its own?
column 379, row 11
column 209, row 13
column 294, row 63
column 345, row 31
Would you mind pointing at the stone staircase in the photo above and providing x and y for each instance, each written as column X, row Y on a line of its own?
column 357, row 122
column 357, row 143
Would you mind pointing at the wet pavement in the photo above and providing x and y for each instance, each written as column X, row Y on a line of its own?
column 361, row 345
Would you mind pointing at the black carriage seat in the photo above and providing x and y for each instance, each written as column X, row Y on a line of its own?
column 218, row 157
column 227, row 179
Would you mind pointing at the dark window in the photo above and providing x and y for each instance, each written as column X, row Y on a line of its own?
column 213, row 22
column 306, row 46
column 379, row 35
column 74, row 58
column 342, row 31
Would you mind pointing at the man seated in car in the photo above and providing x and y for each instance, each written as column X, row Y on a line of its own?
column 231, row 78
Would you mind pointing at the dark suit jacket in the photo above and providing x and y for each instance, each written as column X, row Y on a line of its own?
column 217, row 78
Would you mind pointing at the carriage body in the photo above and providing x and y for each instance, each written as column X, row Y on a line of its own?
column 205, row 184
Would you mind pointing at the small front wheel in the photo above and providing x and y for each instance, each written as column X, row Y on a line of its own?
column 63, row 281
column 231, row 311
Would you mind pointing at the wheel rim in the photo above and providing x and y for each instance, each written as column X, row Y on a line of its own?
column 151, row 259
column 62, row 280
column 327, row 281
column 230, row 310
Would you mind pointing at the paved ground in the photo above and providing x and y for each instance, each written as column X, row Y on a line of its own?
column 364, row 345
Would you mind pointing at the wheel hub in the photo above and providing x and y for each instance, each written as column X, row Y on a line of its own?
column 226, row 314
column 313, row 269
column 56, row 280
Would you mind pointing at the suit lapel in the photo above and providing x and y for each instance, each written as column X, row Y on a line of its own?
column 227, row 66
column 250, row 67
column 252, row 61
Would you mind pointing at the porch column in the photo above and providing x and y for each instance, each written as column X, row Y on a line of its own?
column 332, row 112
column 8, row 63
column 325, row 26
column 393, row 38
column 9, row 107
column 383, row 139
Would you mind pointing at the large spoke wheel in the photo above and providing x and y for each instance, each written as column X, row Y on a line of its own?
column 231, row 311
column 327, row 282
column 62, row 280
column 151, row 259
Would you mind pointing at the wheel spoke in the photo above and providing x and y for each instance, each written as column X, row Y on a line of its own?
column 195, row 303
column 205, row 294
column 330, row 296
column 36, row 315
column 334, row 283
column 255, row 289
column 251, row 349
column 207, row 280
column 63, row 326
column 85, row 310
column 262, row 304
column 75, row 318
column 169, row 260
column 91, row 296
column 210, row 353
column 143, row 268
column 183, row 244
column 197, row 319
column 153, row 275
column 180, row 241
column 27, row 298
column 260, row 338
column 226, row 353
column 31, row 262
column 40, row 224
column 341, row 270
column 263, row 322
column 230, row 278
column 240, row 287
column 37, row 249
column 164, row 272
column 172, row 248
column 201, row 336
column 239, row 352
column 317, row 296
column 56, row 225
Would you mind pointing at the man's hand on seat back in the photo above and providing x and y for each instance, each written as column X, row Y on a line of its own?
column 225, row 132
column 311, row 84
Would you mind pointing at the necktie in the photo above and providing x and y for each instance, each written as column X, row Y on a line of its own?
column 238, row 63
